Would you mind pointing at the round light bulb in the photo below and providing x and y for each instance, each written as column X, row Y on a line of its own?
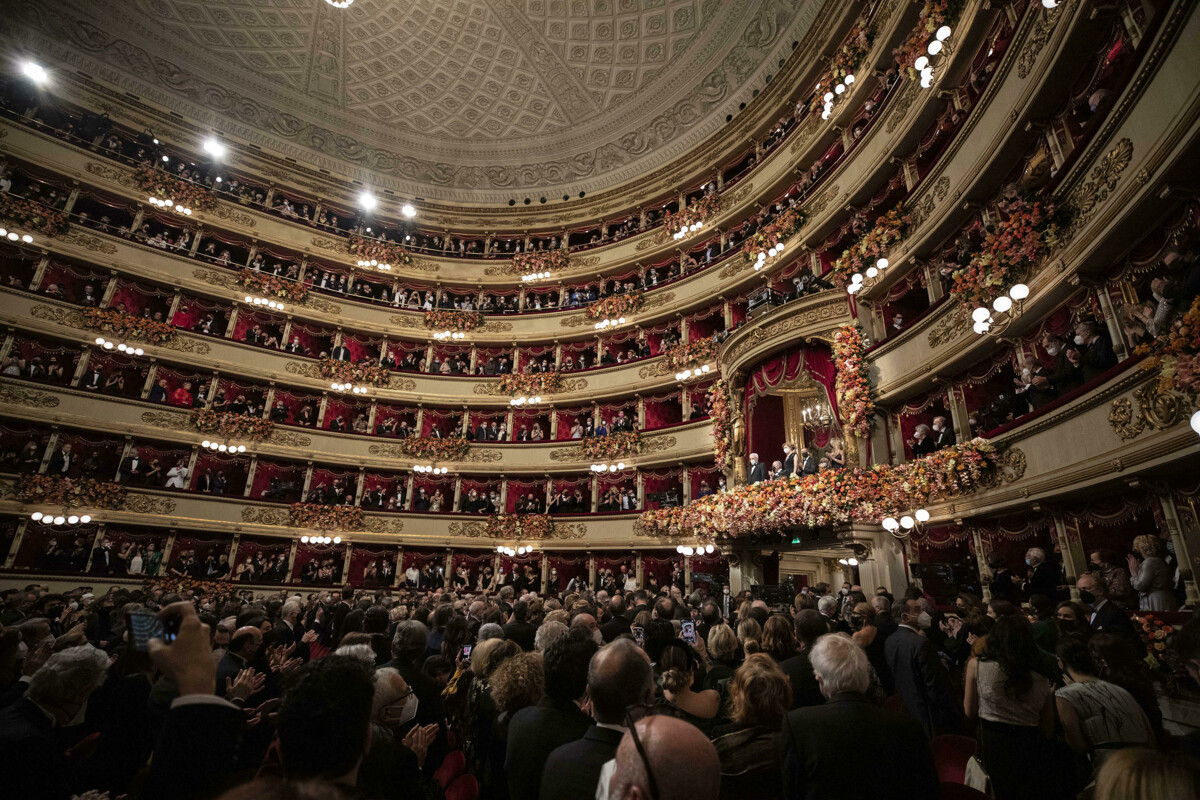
column 921, row 63
column 708, row 548
column 85, row 519
column 337, row 540
column 872, row 272
column 73, row 519
column 856, row 278
column 890, row 523
column 35, row 516
column 907, row 522
column 849, row 79
column 1195, row 422
column 934, row 48
column 1002, row 303
column 980, row 314
column 922, row 515
column 27, row 239
column 828, row 96
column 852, row 561
column 980, row 327
column 882, row 263
column 303, row 540
column 1019, row 291
column 59, row 520
column 943, row 33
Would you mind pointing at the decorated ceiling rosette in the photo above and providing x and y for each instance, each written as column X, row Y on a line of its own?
column 125, row 325
column 934, row 15
column 618, row 305
column 232, row 426
column 555, row 260
column 326, row 518
column 519, row 526
column 444, row 319
column 434, row 449
column 855, row 399
column 846, row 61
column 1023, row 236
column 29, row 215
column 692, row 354
column 378, row 253
column 349, row 372
column 530, row 383
column 888, row 230
column 73, row 492
column 272, row 285
column 698, row 212
column 721, row 413
column 163, row 186
column 777, row 231
column 1176, row 355
column 614, row 445
column 832, row 497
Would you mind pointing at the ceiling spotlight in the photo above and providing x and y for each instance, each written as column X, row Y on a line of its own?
column 35, row 72
column 214, row 148
column 408, row 211
column 366, row 200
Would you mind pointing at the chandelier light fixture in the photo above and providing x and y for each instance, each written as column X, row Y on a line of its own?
column 901, row 528
column 695, row 550
column 430, row 470
column 620, row 465
column 68, row 517
column 924, row 64
column 320, row 540
column 348, row 387
column 16, row 236
column 856, row 280
column 536, row 276
column 763, row 255
column 120, row 347
column 690, row 374
column 817, row 415
column 1005, row 309
column 605, row 324
column 455, row 335
column 835, row 94
column 223, row 447
column 170, row 205
column 374, row 262
column 525, row 401
column 686, row 230
column 264, row 302
column 520, row 550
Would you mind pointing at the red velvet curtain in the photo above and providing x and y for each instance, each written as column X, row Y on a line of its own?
column 329, row 559
column 232, row 468
column 347, row 411
column 48, row 355
column 446, row 421
column 134, row 298
column 562, row 567
column 420, row 556
column 48, row 550
column 295, row 403
column 316, row 341
column 15, row 436
column 529, row 418
column 72, row 281
column 269, row 557
column 361, row 346
column 520, row 490
column 705, row 474
column 193, row 309
column 373, row 565
column 398, row 413
column 324, row 476
column 288, row 477
column 269, row 324
column 715, row 565
column 660, row 481
column 567, row 417
column 130, row 542
column 660, row 564
column 201, row 545
column 433, row 487
column 176, row 380
column 664, row 410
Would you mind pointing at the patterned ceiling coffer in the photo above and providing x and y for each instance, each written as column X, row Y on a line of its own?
column 459, row 100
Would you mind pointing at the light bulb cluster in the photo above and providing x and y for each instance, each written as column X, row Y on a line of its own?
column 16, row 236
column 525, row 401
column 684, row 230
column 837, row 92
column 689, row 374
column 171, row 205
column 321, row 540
column 856, row 280
column 604, row 324
column 906, row 522
column 520, row 550
column 60, row 519
column 848, row 562
column 536, row 276
column 223, row 447
column 935, row 46
column 376, row 263
column 120, row 347
column 429, row 470
column 1004, row 304
column 1050, row 4
column 620, row 465
column 264, row 302
column 453, row 335
column 348, row 387
column 763, row 255
column 696, row 550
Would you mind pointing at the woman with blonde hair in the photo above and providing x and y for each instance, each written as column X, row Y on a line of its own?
column 1138, row 773
column 760, row 695
column 1151, row 576
column 749, row 633
column 724, row 653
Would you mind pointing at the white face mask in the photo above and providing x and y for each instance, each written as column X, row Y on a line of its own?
column 1053, row 350
column 1079, row 340
column 924, row 620
column 407, row 712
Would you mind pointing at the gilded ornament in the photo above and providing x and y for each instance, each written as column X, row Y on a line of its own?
column 834, row 312
column 328, row 244
column 1156, row 409
column 321, row 304
column 822, row 200
column 373, row 524
column 655, row 238
column 30, row 398
column 1099, row 185
column 387, row 451
column 169, row 420
column 229, row 213
column 215, row 278
column 480, row 456
column 92, row 244
column 401, row 384
column 494, row 326
column 185, row 344
column 1036, row 42
column 109, row 173
column 303, row 369
column 901, row 105
column 655, row 370
column 656, row 301
column 407, row 321
column 657, row 444
column 472, row 530
column 573, row 321
column 567, row 454
column 144, row 504
column 952, row 326
column 60, row 316
column 265, row 516
column 290, row 439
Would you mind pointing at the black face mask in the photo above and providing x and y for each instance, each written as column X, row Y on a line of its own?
column 1087, row 596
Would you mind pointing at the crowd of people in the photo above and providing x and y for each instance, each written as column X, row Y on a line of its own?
column 487, row 685
column 797, row 463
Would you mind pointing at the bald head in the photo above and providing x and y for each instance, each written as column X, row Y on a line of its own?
column 246, row 641
column 682, row 759
column 619, row 676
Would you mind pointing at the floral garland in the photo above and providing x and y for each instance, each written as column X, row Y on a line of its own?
column 1159, row 638
column 1023, row 236
column 1177, row 354
column 702, row 210
column 519, row 526
column 315, row 515
column 530, row 383
column 853, row 386
column 445, row 319
column 164, row 186
column 774, row 232
column 272, row 285
column 171, row 584
column 33, row 216
column 845, row 61
column 934, row 15
column 379, row 251
column 889, row 229
column 74, row 492
column 614, row 445
column 539, row 261
column 720, row 410
column 349, row 372
column 832, row 497
column 434, row 449
column 691, row 354
column 233, row 426
column 618, row 305
column 127, row 325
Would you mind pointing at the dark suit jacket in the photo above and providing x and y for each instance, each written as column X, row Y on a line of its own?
column 429, row 709
column 809, row 467
column 1110, row 619
column 573, row 770
column 805, row 689
column 533, row 734
column 31, row 758
column 614, row 628
column 522, row 633
column 758, row 473
column 1046, row 578
column 196, row 752
column 921, row 681
column 1098, row 357
column 228, row 667
column 824, row 749
column 789, row 464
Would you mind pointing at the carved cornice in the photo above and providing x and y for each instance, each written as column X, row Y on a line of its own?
column 30, row 398
column 785, row 325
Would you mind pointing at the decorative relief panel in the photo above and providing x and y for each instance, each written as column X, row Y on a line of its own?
column 30, row 398
column 483, row 456
column 654, row 370
column 388, row 451
column 1095, row 191
column 59, row 316
column 406, row 321
column 899, row 106
column 837, row 309
column 382, row 525
column 401, row 384
column 1156, row 409
column 657, row 302
column 573, row 321
column 214, row 278
column 653, row 240
column 329, row 244
column 567, row 454
column 303, row 369
column 168, row 420
column 954, row 325
column 495, row 326
column 144, row 504
column 1036, row 43
column 266, row 516
column 186, row 344
column 935, row 195
column 93, row 244
column 821, row 201
column 230, row 214
column 657, row 444
column 109, row 173
column 290, row 439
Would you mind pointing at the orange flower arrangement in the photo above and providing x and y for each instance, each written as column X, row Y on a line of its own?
column 614, row 445
column 233, row 426
column 127, row 325
column 539, row 261
column 853, row 386
column 519, row 526
column 845, row 62
column 315, row 515
column 17, row 212
column 691, row 354
column 701, row 210
column 434, row 449
column 1177, row 353
column 445, row 319
column 377, row 252
column 618, row 305
column 164, row 186
column 530, row 383
column 934, row 15
column 272, row 285
column 1024, row 235
column 349, row 372
column 775, row 232
column 889, row 229
column 721, row 413
column 74, row 492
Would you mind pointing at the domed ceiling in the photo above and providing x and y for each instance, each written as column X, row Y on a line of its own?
column 459, row 100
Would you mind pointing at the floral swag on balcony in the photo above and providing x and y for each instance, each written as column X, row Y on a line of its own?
column 156, row 183
column 614, row 445
column 232, row 426
column 1025, row 234
column 845, row 62
column 28, row 215
column 832, row 497
column 1177, row 354
column 529, row 383
column 539, row 261
column 349, row 372
column 852, row 385
column 692, row 354
column 934, row 15
column 777, row 231
column 129, row 326
column 519, row 526
column 315, row 515
column 272, row 286
column 866, row 252
column 618, row 305
column 434, row 449
column 378, row 252
column 721, row 413
column 443, row 319
column 701, row 210
column 73, row 492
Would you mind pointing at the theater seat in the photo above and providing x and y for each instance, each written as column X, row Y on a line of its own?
column 464, row 788
column 453, row 765
column 950, row 754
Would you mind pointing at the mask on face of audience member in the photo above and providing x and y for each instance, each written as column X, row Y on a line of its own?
column 1079, row 340
column 406, row 712
column 1086, row 596
column 924, row 620
column 1053, row 349
column 1028, row 563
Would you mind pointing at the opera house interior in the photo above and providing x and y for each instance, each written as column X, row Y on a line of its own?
column 832, row 365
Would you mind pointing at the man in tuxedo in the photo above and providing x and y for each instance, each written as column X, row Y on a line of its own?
column 1098, row 353
column 1106, row 616
column 808, row 464
column 340, row 353
column 294, row 346
column 93, row 381
column 131, row 468
column 1043, row 577
column 789, row 460
column 62, row 460
column 103, row 560
column 619, row 676
column 618, row 623
column 824, row 744
column 920, row 678
column 242, row 648
column 758, row 470
column 943, row 434
column 520, row 630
